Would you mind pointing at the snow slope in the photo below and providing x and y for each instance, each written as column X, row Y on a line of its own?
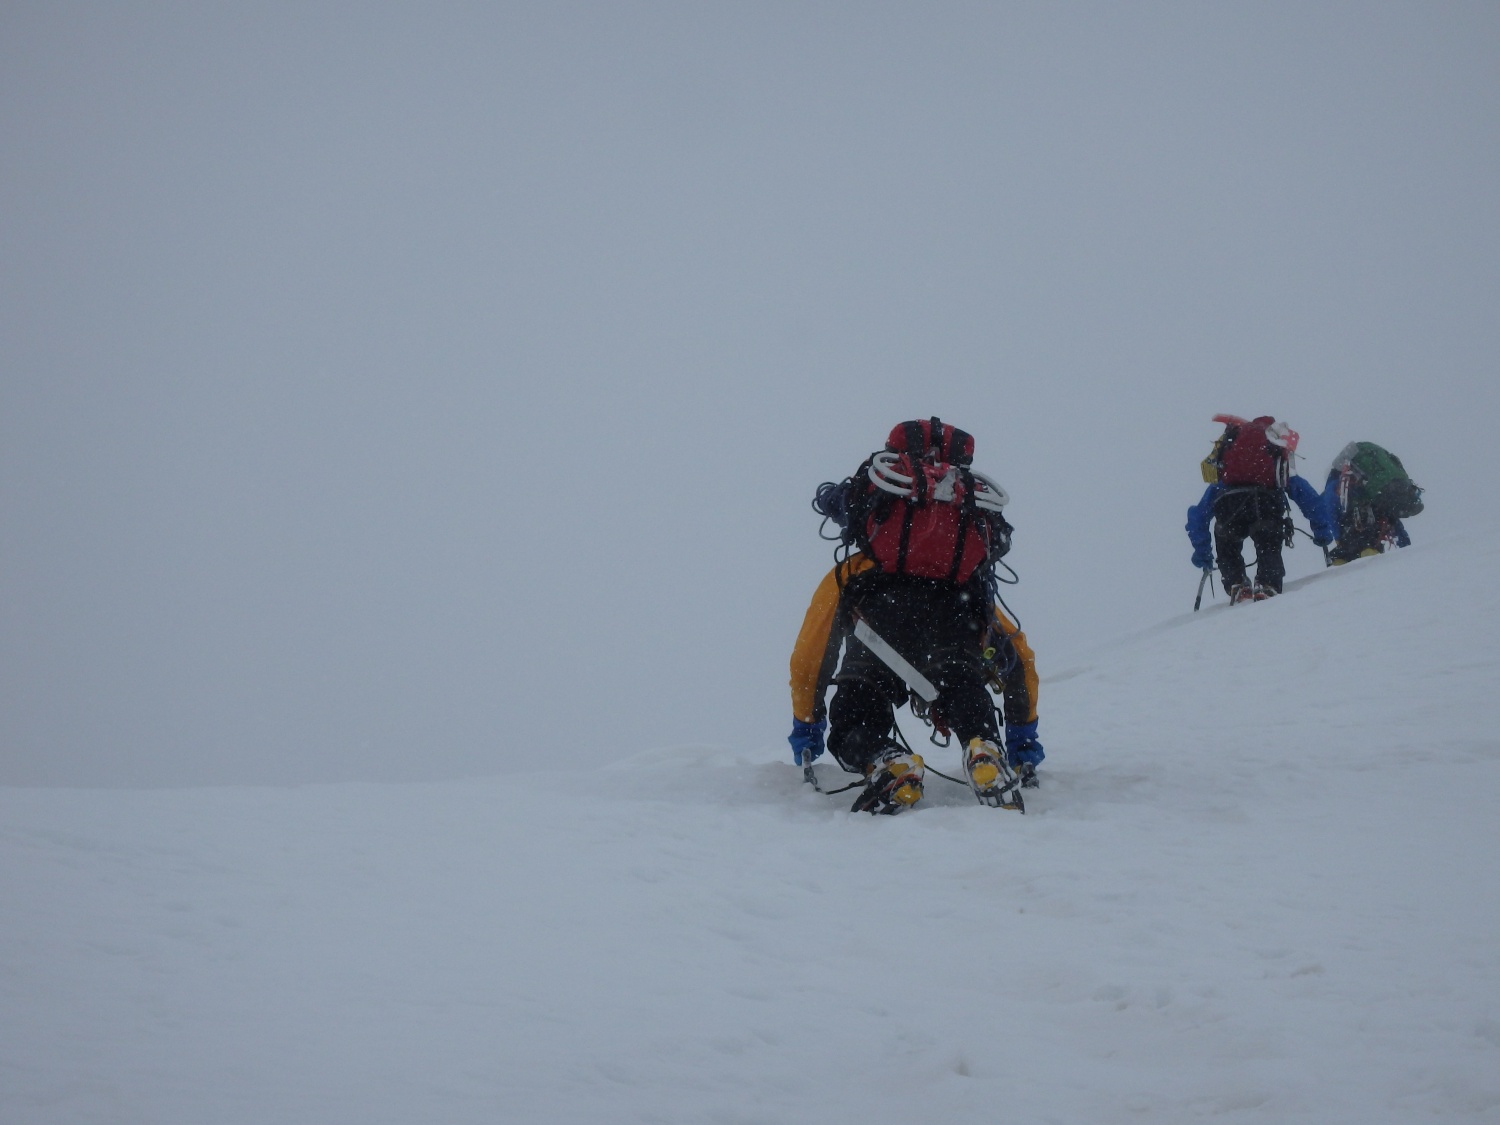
column 1257, row 886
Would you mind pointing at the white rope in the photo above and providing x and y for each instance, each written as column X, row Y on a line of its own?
column 884, row 476
column 988, row 494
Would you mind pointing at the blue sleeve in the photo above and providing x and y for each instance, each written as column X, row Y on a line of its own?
column 1312, row 506
column 1402, row 539
column 1021, row 744
column 1330, row 502
column 1198, row 518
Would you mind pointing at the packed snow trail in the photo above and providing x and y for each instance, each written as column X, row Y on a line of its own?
column 1256, row 886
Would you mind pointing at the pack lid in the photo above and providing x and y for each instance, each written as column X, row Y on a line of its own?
column 932, row 439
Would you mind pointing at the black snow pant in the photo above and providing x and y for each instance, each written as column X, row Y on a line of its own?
column 939, row 628
column 1257, row 514
column 1361, row 531
column 1354, row 541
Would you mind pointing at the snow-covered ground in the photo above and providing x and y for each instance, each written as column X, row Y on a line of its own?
column 1258, row 885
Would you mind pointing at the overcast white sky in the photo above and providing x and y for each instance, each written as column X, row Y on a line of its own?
column 409, row 391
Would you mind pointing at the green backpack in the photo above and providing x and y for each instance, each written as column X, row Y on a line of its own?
column 1376, row 478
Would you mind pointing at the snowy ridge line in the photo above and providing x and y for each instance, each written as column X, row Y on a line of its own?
column 1076, row 665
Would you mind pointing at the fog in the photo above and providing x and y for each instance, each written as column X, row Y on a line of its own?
column 420, row 391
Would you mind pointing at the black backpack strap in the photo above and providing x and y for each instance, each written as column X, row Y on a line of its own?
column 906, row 515
column 997, row 535
column 857, row 504
column 917, row 498
column 916, row 445
column 966, row 511
column 957, row 446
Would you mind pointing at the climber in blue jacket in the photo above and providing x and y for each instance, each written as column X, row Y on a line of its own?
column 1247, row 498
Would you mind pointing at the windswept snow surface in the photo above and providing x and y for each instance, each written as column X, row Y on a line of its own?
column 1257, row 886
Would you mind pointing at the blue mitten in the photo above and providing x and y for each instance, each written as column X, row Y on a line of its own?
column 1021, row 745
column 1202, row 560
column 807, row 741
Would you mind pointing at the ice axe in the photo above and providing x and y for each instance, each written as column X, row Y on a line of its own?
column 1207, row 575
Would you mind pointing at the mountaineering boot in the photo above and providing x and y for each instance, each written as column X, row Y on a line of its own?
column 982, row 764
column 1028, row 776
column 994, row 783
column 1249, row 593
column 894, row 783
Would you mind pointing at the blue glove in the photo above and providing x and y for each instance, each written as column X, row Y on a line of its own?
column 1402, row 539
column 807, row 741
column 1021, row 745
column 1321, row 540
column 1203, row 559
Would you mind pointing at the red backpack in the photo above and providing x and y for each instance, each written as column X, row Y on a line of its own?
column 922, row 510
column 1253, row 454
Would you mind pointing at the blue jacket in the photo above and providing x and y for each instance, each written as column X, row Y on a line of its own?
column 1312, row 505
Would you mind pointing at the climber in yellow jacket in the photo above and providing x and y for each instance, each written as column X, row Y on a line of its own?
column 913, row 616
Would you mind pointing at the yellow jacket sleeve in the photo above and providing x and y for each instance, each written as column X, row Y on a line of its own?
column 816, row 653
column 1020, row 682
